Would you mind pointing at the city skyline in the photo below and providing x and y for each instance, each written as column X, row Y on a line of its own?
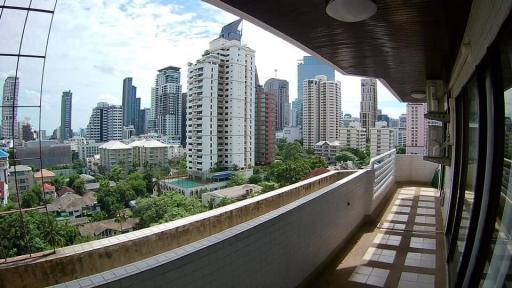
column 96, row 66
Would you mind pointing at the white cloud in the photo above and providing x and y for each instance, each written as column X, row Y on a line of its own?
column 96, row 43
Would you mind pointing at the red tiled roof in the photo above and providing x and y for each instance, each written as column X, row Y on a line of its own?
column 64, row 190
column 317, row 172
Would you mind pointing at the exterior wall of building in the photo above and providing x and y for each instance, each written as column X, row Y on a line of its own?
column 381, row 140
column 416, row 131
column 352, row 137
column 88, row 150
column 265, row 133
column 368, row 110
column 121, row 157
column 322, row 110
column 280, row 89
column 25, row 178
column 166, row 103
column 220, row 108
column 52, row 155
column 328, row 150
column 10, row 115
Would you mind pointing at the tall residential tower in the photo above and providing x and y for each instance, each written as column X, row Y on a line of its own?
column 9, row 108
column 166, row 103
column 105, row 123
column 220, row 106
column 307, row 68
column 368, row 110
column 322, row 110
column 280, row 89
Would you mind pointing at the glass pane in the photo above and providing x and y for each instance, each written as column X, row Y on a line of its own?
column 471, row 128
column 497, row 271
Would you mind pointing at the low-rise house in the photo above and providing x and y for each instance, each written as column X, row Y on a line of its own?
column 48, row 191
column 71, row 206
column 87, row 178
column 93, row 187
column 107, row 228
column 233, row 193
column 43, row 176
column 328, row 150
column 24, row 176
column 65, row 190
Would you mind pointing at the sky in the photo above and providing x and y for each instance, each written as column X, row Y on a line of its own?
column 94, row 44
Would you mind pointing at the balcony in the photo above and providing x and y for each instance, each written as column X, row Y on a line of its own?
column 281, row 238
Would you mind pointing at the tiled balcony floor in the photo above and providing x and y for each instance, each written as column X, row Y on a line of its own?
column 404, row 249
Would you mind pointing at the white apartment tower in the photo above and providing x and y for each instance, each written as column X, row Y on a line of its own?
column 9, row 109
column 322, row 110
column 416, row 129
column 352, row 137
column 166, row 103
column 105, row 123
column 221, row 106
column 368, row 110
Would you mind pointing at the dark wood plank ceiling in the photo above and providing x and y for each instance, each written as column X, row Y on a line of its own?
column 404, row 43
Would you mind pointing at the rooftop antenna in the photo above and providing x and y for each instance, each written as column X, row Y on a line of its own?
column 275, row 73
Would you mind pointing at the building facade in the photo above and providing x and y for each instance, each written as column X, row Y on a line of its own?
column 308, row 68
column 149, row 153
column 105, row 123
column 352, row 137
column 381, row 141
column 328, row 150
column 166, row 103
column 265, row 128
column 221, row 105
column 322, row 110
column 280, row 89
column 416, row 130
column 65, row 116
column 368, row 114
column 116, row 153
column 183, row 141
column 9, row 108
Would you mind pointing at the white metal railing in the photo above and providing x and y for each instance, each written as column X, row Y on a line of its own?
column 384, row 169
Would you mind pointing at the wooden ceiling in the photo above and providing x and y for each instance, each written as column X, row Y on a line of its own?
column 405, row 43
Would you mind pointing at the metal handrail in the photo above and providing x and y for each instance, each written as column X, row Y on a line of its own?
column 383, row 166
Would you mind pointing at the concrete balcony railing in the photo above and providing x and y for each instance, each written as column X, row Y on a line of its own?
column 276, row 239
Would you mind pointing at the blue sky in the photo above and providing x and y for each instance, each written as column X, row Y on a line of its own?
column 96, row 43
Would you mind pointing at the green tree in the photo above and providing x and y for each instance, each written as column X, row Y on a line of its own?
column 290, row 151
column 116, row 173
column 286, row 173
column 316, row 162
column 268, row 186
column 400, row 150
column 168, row 207
column 76, row 183
column 58, row 182
column 345, row 156
column 136, row 182
column 236, row 179
column 255, row 179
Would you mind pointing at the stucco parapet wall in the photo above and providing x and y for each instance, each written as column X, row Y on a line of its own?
column 81, row 260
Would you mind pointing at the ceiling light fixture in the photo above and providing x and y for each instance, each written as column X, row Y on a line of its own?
column 418, row 95
column 350, row 10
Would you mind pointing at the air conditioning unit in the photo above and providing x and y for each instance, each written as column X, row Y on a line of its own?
column 436, row 96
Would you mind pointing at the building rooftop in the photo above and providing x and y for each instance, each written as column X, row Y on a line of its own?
column 72, row 202
column 148, row 143
column 236, row 191
column 20, row 168
column 114, row 145
column 330, row 143
column 96, row 228
column 44, row 174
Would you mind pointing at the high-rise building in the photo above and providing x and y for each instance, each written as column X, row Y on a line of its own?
column 280, row 89
column 265, row 128
column 129, row 102
column 27, row 134
column 65, row 116
column 402, row 121
column 416, row 128
column 9, row 108
column 382, row 140
column 220, row 106
column 166, row 103
column 368, row 112
column 105, row 123
column 146, row 112
column 322, row 110
column 183, row 119
column 308, row 68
